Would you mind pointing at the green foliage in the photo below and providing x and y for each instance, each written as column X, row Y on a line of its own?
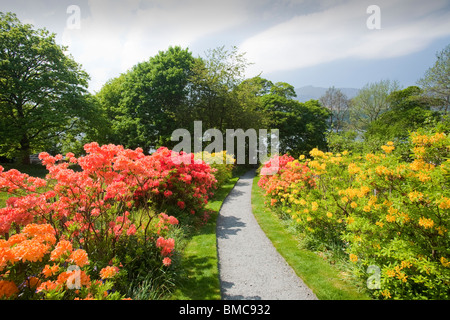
column 436, row 78
column 370, row 103
column 148, row 102
column 409, row 111
column 42, row 94
column 302, row 126
column 378, row 210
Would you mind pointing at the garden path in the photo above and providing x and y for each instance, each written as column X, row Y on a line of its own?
column 250, row 267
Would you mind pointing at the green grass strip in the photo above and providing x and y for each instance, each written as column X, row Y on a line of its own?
column 323, row 279
column 199, row 259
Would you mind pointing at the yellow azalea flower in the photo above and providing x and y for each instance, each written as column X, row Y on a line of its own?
column 445, row 262
column 380, row 224
column 444, row 203
column 353, row 204
column 363, row 191
column 386, row 294
column 441, row 230
column 382, row 170
column 316, row 153
column 372, row 200
column 353, row 257
column 390, row 273
column 329, row 214
column 404, row 216
column 423, row 177
column 392, row 210
column 308, row 218
column 419, row 151
column 387, row 149
column 390, row 218
column 302, row 157
column 314, row 206
column 402, row 276
column 426, row 223
column 415, row 196
column 406, row 264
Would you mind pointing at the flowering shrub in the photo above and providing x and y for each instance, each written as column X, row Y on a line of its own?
column 221, row 163
column 380, row 210
column 89, row 212
column 37, row 266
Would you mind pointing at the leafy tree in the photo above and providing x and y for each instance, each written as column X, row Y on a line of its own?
column 338, row 104
column 148, row 102
column 109, row 99
column 436, row 82
column 302, row 126
column 409, row 111
column 370, row 103
column 42, row 90
column 215, row 91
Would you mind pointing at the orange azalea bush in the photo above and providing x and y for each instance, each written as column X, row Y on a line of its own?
column 34, row 265
column 380, row 211
column 95, row 217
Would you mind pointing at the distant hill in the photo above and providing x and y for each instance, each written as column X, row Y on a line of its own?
column 309, row 92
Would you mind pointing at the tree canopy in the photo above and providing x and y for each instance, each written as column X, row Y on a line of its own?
column 43, row 92
column 174, row 89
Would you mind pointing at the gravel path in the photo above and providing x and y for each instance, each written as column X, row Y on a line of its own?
column 250, row 267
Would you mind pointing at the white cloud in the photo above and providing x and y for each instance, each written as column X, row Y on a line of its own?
column 119, row 34
column 340, row 31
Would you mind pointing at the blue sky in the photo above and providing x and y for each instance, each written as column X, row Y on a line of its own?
column 303, row 42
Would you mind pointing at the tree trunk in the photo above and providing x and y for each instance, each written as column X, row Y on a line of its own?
column 24, row 150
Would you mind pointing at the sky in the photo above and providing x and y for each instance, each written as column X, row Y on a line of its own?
column 344, row 43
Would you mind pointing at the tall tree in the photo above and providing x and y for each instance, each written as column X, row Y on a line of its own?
column 42, row 90
column 338, row 104
column 370, row 103
column 302, row 126
column 148, row 102
column 436, row 81
column 409, row 111
column 213, row 84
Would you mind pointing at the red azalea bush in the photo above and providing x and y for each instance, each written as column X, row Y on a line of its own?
column 104, row 203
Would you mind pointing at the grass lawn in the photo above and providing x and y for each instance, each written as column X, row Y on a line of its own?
column 324, row 279
column 200, row 278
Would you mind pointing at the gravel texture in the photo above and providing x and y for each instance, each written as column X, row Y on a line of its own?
column 250, row 267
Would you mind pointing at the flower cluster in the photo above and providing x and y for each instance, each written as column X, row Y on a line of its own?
column 49, row 260
column 379, row 209
column 86, row 217
column 166, row 246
